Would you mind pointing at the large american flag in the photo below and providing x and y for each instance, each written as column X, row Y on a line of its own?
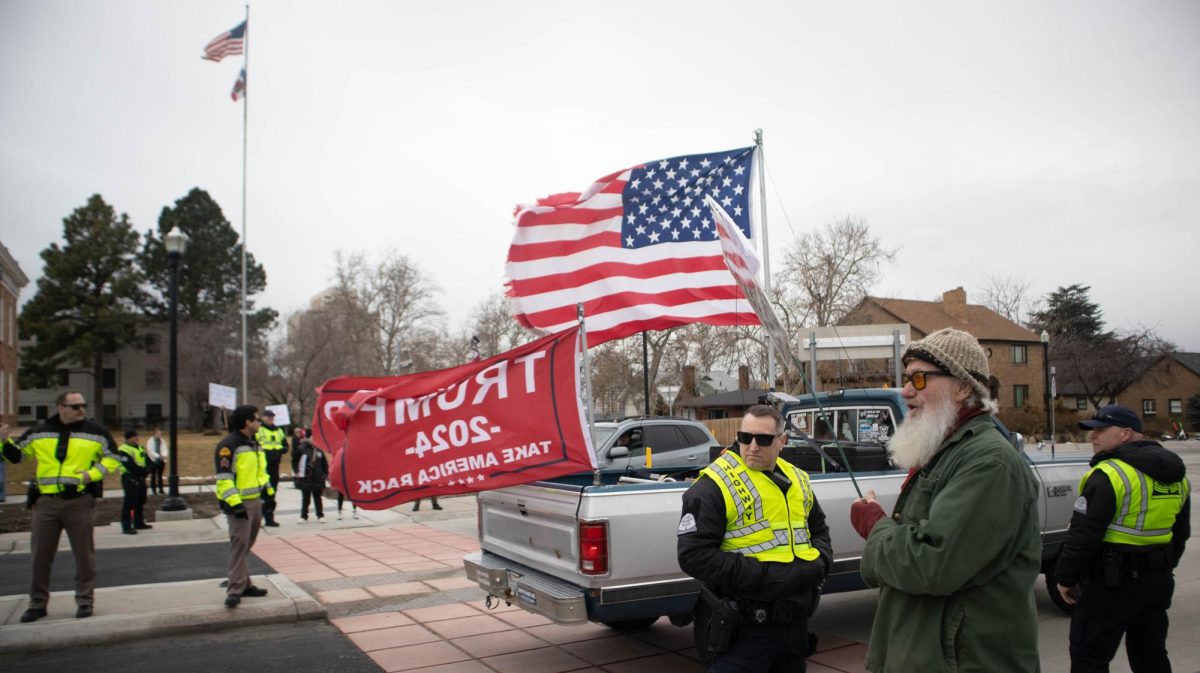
column 639, row 249
column 229, row 43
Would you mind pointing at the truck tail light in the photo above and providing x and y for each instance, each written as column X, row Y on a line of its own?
column 593, row 548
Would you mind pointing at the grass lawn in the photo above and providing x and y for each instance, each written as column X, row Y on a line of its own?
column 195, row 460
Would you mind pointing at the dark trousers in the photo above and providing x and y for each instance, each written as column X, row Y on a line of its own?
column 268, row 506
column 1136, row 610
column 769, row 648
column 156, row 477
column 51, row 516
column 341, row 500
column 133, row 507
column 307, row 495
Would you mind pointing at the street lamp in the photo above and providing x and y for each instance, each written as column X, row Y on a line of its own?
column 176, row 242
column 1046, row 388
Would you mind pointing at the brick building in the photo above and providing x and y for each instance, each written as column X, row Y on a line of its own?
column 1160, row 394
column 12, row 279
column 1014, row 352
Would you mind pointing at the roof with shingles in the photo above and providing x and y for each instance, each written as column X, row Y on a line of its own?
column 930, row 316
column 1189, row 360
column 728, row 398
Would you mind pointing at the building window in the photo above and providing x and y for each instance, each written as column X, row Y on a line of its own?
column 1020, row 355
column 42, row 412
column 153, row 343
column 153, row 413
column 110, row 378
column 24, row 410
column 153, row 379
column 1176, row 407
column 716, row 414
column 1149, row 407
column 64, row 377
column 1081, row 403
column 1020, row 396
column 110, row 414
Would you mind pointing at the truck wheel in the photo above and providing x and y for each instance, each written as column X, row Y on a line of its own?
column 631, row 624
column 1055, row 597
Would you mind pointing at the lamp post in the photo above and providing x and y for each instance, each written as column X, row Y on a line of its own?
column 1046, row 388
column 176, row 242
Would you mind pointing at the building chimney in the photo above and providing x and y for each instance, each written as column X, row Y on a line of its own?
column 955, row 303
column 689, row 382
column 743, row 377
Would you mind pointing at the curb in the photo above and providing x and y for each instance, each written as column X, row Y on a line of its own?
column 291, row 604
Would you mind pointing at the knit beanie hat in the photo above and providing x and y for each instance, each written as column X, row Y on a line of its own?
column 956, row 353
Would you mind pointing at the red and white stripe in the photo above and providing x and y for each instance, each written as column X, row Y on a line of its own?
column 223, row 45
column 568, row 249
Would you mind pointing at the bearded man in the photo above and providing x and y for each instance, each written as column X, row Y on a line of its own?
column 958, row 558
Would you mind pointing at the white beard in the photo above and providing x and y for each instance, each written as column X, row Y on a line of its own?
column 920, row 437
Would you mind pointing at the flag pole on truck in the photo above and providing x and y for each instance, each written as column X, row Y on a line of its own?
column 587, row 383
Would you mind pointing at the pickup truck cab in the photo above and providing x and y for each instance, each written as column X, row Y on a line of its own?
column 573, row 551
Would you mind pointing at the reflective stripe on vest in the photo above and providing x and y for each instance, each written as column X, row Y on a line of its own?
column 1146, row 509
column 85, row 452
column 760, row 520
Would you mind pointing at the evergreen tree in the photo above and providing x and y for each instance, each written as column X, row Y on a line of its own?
column 1070, row 312
column 88, row 299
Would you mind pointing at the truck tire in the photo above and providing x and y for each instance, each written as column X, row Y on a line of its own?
column 1055, row 597
column 626, row 625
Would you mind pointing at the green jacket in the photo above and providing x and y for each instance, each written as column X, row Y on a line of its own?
column 957, row 562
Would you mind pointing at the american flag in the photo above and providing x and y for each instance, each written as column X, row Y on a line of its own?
column 229, row 43
column 639, row 249
column 239, row 86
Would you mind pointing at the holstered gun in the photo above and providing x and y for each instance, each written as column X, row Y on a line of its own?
column 722, row 622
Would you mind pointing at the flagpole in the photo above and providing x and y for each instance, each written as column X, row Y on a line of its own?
column 645, row 375
column 245, row 125
column 587, row 384
column 766, row 250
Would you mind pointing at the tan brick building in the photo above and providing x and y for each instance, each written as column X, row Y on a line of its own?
column 1160, row 394
column 1014, row 353
column 12, row 279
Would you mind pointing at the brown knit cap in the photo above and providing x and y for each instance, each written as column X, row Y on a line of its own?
column 954, row 352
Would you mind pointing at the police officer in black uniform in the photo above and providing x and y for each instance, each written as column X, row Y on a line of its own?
column 753, row 533
column 1132, row 519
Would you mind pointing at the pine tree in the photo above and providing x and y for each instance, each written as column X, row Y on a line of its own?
column 88, row 299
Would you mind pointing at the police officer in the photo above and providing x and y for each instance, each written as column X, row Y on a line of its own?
column 1131, row 521
column 73, row 455
column 274, row 445
column 134, row 468
column 753, row 533
column 242, row 484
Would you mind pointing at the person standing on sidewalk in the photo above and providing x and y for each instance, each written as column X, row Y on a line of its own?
column 242, row 483
column 73, row 455
column 1131, row 522
column 156, row 452
column 274, row 444
column 310, row 469
column 134, row 467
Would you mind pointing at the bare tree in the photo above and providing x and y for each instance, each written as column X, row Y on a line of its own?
column 1006, row 296
column 301, row 361
column 827, row 272
column 1104, row 368
column 382, row 306
column 498, row 332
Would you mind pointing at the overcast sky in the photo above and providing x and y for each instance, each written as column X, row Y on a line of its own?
column 1055, row 142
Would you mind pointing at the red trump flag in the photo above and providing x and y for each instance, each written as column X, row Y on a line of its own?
column 510, row 419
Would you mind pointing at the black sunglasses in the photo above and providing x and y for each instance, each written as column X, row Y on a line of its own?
column 76, row 407
column 762, row 439
column 917, row 379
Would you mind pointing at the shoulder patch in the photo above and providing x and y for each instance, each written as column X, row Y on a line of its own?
column 686, row 525
column 1080, row 505
column 225, row 452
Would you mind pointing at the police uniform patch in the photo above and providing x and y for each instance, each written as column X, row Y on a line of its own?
column 1080, row 505
column 686, row 525
column 225, row 452
column 224, row 463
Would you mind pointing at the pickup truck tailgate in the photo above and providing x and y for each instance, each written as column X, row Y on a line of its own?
column 533, row 525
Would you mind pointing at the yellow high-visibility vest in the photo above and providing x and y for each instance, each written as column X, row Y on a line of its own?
column 762, row 521
column 1146, row 509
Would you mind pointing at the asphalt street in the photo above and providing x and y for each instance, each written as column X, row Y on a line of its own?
column 125, row 566
column 307, row 646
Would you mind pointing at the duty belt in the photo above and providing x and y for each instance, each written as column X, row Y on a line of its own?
column 777, row 612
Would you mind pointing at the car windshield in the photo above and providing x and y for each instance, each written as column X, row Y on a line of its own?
column 601, row 434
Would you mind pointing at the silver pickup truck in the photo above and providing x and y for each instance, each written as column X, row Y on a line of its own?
column 606, row 553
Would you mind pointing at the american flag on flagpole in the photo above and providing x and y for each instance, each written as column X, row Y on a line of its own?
column 239, row 86
column 229, row 43
column 639, row 249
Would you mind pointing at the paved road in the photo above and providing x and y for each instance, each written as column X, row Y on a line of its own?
column 300, row 647
column 125, row 566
